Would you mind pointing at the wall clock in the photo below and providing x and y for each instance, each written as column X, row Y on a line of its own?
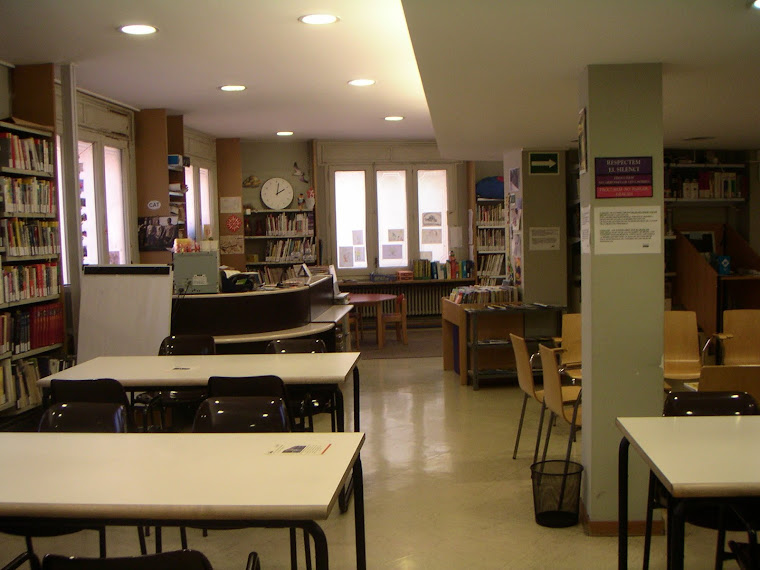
column 277, row 193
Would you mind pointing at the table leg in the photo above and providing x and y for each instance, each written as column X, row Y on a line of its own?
column 345, row 494
column 676, row 535
column 623, row 504
column 358, row 479
column 380, row 325
column 320, row 544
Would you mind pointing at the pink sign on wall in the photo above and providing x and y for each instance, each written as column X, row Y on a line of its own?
column 623, row 177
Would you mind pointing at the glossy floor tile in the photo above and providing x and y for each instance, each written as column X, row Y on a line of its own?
column 441, row 488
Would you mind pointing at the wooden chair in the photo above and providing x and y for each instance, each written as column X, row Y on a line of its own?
column 399, row 318
column 554, row 399
column 569, row 345
column 682, row 359
column 731, row 378
column 739, row 343
column 526, row 380
column 355, row 327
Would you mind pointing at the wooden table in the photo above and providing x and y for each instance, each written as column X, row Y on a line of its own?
column 175, row 479
column 376, row 300
column 695, row 458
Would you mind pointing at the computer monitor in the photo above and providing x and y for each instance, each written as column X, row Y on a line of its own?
column 196, row 273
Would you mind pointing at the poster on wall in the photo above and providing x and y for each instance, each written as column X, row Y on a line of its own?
column 157, row 233
column 231, row 244
column 345, row 257
column 543, row 239
column 230, row 204
column 621, row 230
column 623, row 177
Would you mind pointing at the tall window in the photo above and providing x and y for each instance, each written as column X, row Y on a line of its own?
column 400, row 216
column 198, row 203
column 350, row 219
column 100, row 196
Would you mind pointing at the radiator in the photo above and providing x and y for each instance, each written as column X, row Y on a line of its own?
column 421, row 299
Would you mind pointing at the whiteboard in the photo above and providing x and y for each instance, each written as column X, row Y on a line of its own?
column 124, row 310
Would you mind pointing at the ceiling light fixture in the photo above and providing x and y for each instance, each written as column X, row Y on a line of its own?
column 138, row 29
column 284, row 133
column 394, row 118
column 753, row 4
column 232, row 88
column 318, row 19
column 361, row 82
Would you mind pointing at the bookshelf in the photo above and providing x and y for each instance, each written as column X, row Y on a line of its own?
column 491, row 240
column 31, row 311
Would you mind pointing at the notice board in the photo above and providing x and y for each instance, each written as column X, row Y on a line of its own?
column 125, row 310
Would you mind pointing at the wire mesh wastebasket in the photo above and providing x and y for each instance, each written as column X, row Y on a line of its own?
column 556, row 492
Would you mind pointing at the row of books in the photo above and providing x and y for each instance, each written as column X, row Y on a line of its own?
column 491, row 213
column 36, row 327
column 21, row 282
column 708, row 185
column 28, row 153
column 29, row 194
column 484, row 294
column 491, row 238
column 274, row 275
column 291, row 250
column 491, row 265
column 426, row 269
column 31, row 237
column 289, row 225
column 19, row 380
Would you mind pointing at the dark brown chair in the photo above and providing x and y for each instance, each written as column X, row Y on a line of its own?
column 180, row 401
column 184, row 559
column 70, row 417
column 708, row 515
column 306, row 400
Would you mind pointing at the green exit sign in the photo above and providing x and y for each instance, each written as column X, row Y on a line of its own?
column 544, row 162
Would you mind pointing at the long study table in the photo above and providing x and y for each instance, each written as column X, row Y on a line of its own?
column 171, row 479
column 698, row 458
column 139, row 373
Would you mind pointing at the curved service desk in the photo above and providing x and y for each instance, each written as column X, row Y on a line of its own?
column 246, row 322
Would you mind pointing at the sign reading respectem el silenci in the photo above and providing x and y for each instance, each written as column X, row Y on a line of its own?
column 623, row 177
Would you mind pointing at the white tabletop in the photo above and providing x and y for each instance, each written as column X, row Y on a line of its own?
column 174, row 476
column 147, row 371
column 706, row 456
column 296, row 332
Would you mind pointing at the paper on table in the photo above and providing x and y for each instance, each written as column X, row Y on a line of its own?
column 299, row 449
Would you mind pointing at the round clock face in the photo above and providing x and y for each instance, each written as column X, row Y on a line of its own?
column 277, row 193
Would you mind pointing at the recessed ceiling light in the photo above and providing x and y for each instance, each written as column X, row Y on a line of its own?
column 284, row 133
column 138, row 29
column 232, row 88
column 318, row 19
column 755, row 4
column 361, row 82
column 700, row 138
column 394, row 118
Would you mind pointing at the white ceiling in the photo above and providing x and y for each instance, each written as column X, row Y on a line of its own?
column 497, row 74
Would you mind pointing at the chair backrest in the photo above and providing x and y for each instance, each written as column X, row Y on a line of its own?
column 105, row 390
column 187, row 344
column 236, row 414
column 744, row 346
column 268, row 385
column 681, row 340
column 184, row 559
column 731, row 378
column 709, row 404
column 552, row 382
column 571, row 338
column 296, row 345
column 400, row 304
column 522, row 361
column 84, row 417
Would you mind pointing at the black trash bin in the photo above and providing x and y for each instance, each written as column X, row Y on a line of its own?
column 556, row 492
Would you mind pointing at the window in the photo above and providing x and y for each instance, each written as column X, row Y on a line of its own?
column 102, row 175
column 198, row 203
column 401, row 216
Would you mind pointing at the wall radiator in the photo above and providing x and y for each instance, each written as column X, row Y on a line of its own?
column 421, row 299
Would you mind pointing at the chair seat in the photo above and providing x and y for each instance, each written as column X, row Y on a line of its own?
column 570, row 394
column 578, row 418
column 682, row 369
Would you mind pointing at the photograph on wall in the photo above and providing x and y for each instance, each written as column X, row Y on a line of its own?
column 345, row 256
column 395, row 235
column 231, row 244
column 392, row 251
column 157, row 233
column 430, row 236
column 431, row 219
column 514, row 179
column 358, row 237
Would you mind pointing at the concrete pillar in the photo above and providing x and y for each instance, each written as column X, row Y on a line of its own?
column 622, row 289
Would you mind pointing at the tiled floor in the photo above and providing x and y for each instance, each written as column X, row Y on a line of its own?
column 441, row 488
